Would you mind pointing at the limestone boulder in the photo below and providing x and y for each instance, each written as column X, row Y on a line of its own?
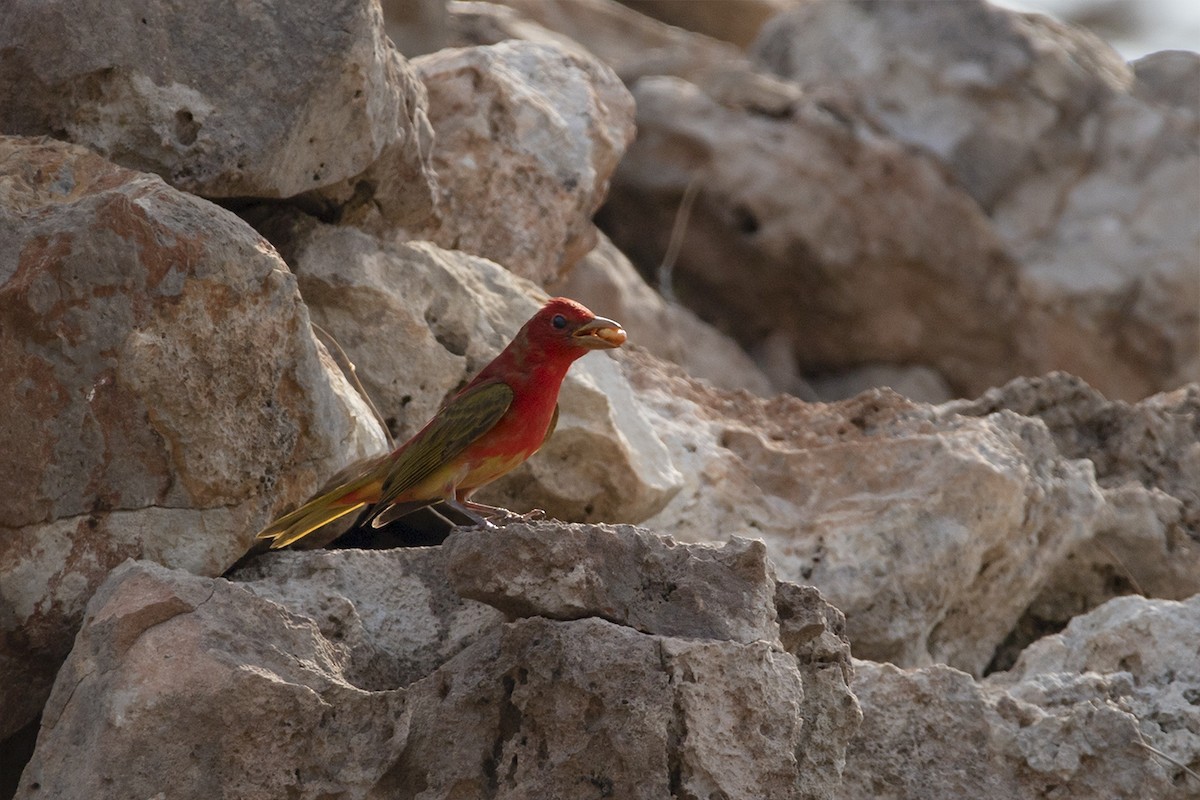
column 164, row 393
column 1088, row 169
column 811, row 229
column 527, row 136
column 221, row 100
column 254, row 686
column 198, row 685
column 1147, row 462
column 932, row 532
column 632, row 44
column 1100, row 710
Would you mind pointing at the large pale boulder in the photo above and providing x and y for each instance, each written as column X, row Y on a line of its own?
column 419, row 321
column 933, row 532
column 1147, row 462
column 220, row 99
column 199, row 687
column 1089, row 171
column 1080, row 716
column 261, row 692
column 527, row 137
column 162, row 388
column 846, row 246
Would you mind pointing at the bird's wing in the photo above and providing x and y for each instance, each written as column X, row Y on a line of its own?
column 459, row 423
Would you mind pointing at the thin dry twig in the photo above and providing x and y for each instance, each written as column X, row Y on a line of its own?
column 1137, row 587
column 1166, row 757
column 347, row 367
column 675, row 244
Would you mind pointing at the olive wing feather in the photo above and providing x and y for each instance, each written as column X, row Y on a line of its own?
column 459, row 423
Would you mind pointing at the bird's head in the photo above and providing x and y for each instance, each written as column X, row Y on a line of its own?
column 566, row 325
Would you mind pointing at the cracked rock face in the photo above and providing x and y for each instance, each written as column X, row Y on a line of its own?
column 220, row 99
column 157, row 374
column 1073, row 719
column 366, row 674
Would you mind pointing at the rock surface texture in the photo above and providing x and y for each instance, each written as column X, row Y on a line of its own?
column 306, row 675
column 158, row 374
column 1080, row 716
column 218, row 99
column 908, row 418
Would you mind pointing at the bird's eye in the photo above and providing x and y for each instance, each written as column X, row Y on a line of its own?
column 559, row 321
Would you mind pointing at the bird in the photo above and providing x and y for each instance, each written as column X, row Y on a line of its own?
column 490, row 427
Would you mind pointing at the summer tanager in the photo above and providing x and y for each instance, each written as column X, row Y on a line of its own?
column 496, row 422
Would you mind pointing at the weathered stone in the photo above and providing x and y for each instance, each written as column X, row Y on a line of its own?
column 527, row 136
column 388, row 615
column 419, row 321
column 399, row 187
column 219, row 99
column 815, row 633
column 737, row 22
column 1092, row 181
column 231, row 689
column 633, row 44
column 162, row 389
column 1147, row 462
column 1074, row 719
column 932, row 532
column 199, row 687
column 622, row 574
column 848, row 245
column 1171, row 77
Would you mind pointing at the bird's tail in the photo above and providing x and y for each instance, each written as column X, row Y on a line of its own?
column 344, row 498
column 316, row 513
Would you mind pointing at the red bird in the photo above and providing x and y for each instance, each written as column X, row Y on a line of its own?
column 489, row 428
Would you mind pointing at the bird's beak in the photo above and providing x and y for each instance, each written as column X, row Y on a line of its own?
column 599, row 334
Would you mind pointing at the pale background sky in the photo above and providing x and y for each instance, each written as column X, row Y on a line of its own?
column 1133, row 27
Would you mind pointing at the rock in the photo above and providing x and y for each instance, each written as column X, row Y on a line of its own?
column 419, row 321
column 222, row 101
column 1171, row 77
column 815, row 633
column 604, row 278
column 399, row 187
column 527, row 136
column 252, row 688
column 163, row 390
column 916, row 383
column 1147, row 462
column 986, row 90
column 847, row 245
column 1090, row 180
column 567, row 572
column 1074, row 719
column 416, row 27
column 227, row 693
column 932, row 532
column 632, row 44
column 388, row 615
column 737, row 22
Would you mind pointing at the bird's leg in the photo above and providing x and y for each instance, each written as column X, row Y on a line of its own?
column 470, row 514
column 498, row 513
